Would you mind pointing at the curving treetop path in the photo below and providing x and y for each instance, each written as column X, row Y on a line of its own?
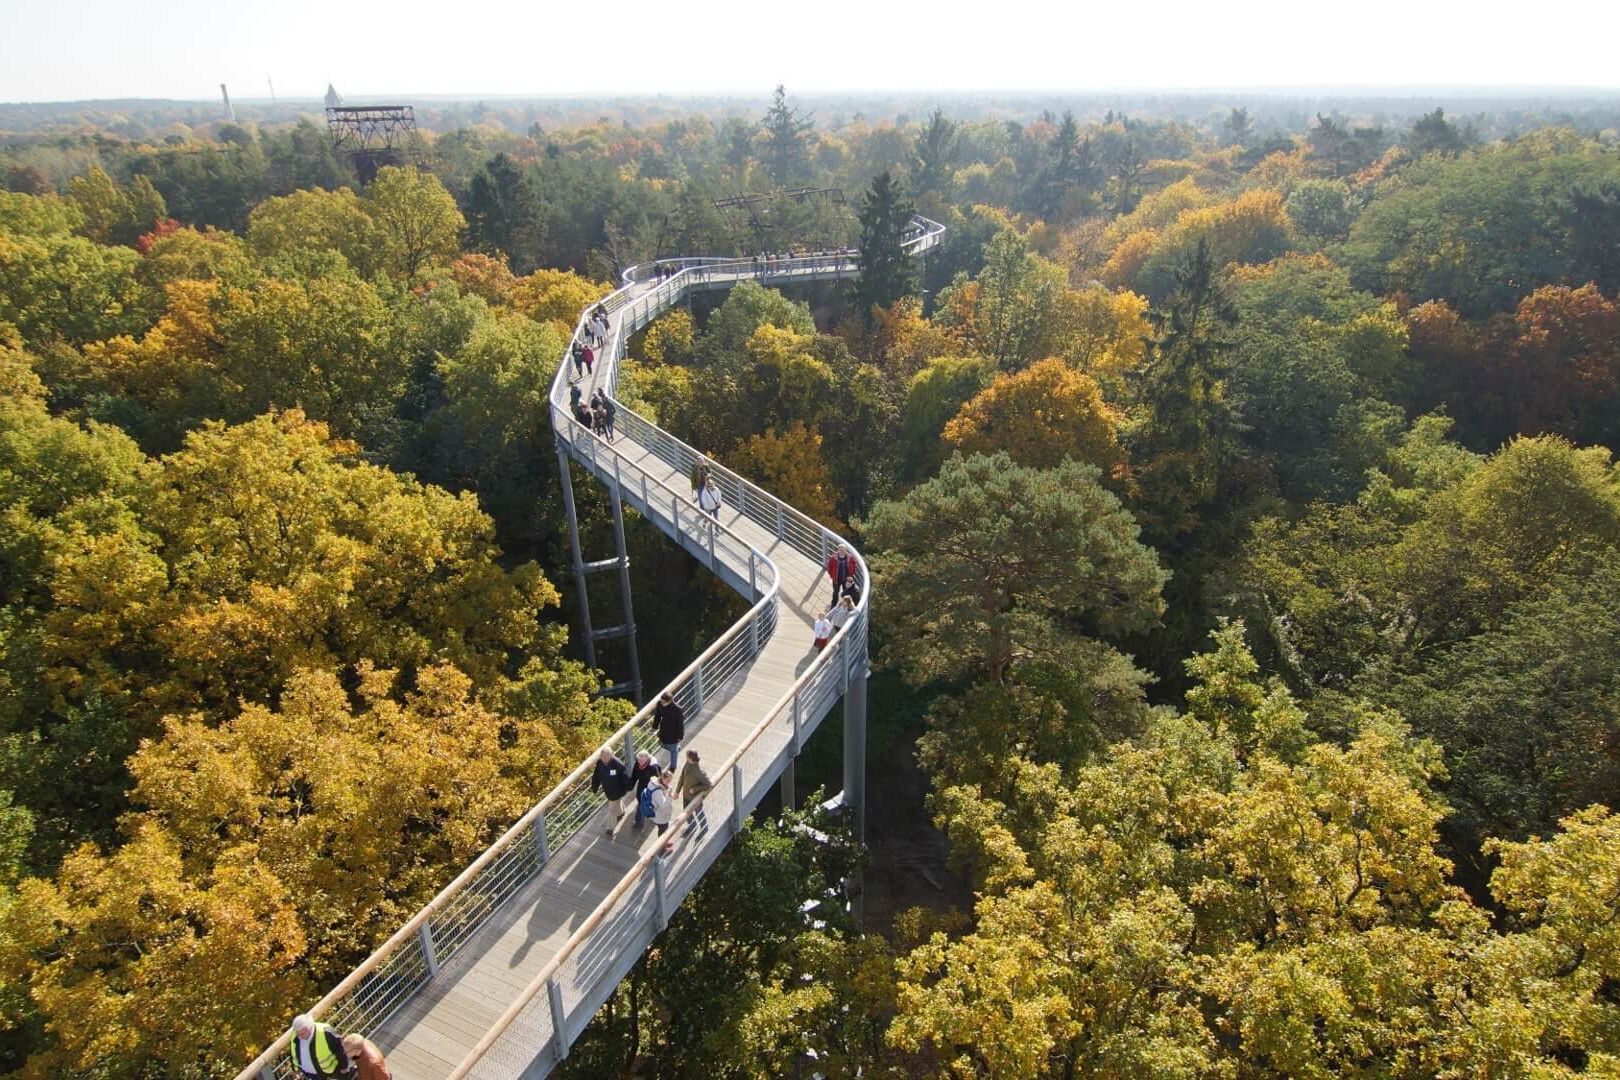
column 502, row 970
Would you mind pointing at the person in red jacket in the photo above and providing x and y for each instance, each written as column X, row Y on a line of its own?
column 841, row 568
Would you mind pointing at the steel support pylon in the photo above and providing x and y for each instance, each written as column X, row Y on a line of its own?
column 626, row 629
column 855, row 745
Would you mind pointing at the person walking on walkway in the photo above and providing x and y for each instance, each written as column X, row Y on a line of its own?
column 663, row 804
column 642, row 773
column 612, row 779
column 709, row 498
column 842, row 612
column 588, row 356
column 367, row 1058
column 694, row 784
column 670, row 723
column 841, row 568
column 823, row 630
column 578, row 355
column 316, row 1049
column 700, row 474
column 610, row 414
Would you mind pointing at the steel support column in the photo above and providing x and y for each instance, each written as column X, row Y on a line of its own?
column 855, row 743
column 624, row 594
column 565, row 470
column 785, row 786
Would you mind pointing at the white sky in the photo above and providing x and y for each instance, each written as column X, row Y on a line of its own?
column 53, row 50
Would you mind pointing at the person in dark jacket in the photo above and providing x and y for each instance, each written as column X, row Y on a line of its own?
column 612, row 779
column 642, row 773
column 670, row 723
column 841, row 568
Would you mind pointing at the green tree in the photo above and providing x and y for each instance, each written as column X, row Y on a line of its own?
column 787, row 142
column 934, row 396
column 988, row 561
column 934, row 156
column 505, row 212
column 885, row 268
column 1432, row 133
column 1188, row 432
column 1321, row 210
column 416, row 217
column 317, row 221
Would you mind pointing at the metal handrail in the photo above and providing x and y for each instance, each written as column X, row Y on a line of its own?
column 790, row 525
column 407, row 935
column 927, row 235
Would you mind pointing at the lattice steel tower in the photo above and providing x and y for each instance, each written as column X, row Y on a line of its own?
column 373, row 135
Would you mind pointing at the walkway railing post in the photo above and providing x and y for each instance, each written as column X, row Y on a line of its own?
column 542, row 846
column 424, row 934
column 798, row 733
column 697, row 689
column 736, row 799
column 660, row 896
column 559, row 1019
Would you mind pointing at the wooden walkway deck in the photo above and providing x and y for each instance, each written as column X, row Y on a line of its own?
column 437, row 1028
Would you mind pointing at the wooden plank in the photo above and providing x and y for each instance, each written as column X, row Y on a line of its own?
column 431, row 1034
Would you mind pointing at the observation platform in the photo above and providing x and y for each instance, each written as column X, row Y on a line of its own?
column 501, row 971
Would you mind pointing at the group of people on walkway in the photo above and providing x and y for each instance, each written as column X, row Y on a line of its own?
column 319, row 1052
column 652, row 787
column 599, row 416
column 844, row 572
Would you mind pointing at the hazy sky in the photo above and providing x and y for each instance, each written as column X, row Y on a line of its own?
column 69, row 49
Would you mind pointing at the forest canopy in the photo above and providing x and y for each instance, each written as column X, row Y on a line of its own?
column 1237, row 479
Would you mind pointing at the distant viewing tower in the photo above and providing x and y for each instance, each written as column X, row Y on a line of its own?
column 372, row 135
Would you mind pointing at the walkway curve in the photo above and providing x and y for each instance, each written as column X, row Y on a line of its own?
column 500, row 972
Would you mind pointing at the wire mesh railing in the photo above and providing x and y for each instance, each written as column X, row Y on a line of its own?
column 639, row 907
column 559, row 1001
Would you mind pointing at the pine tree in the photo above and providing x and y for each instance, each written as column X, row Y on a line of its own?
column 886, row 270
column 504, row 212
column 787, row 149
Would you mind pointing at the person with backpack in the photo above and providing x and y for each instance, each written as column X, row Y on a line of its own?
column 643, row 773
column 663, row 804
column 612, row 779
column 670, row 723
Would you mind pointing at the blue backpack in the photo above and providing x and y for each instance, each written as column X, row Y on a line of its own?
column 645, row 801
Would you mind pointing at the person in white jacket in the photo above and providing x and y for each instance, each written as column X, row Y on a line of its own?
column 663, row 803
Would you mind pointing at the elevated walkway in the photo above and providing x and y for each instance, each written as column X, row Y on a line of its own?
column 502, row 970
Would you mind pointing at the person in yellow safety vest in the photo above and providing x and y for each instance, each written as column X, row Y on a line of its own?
column 316, row 1050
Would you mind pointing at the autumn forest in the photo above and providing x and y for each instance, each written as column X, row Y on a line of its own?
column 1237, row 480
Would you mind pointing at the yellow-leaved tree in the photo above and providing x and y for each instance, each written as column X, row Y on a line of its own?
column 1040, row 416
column 790, row 465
